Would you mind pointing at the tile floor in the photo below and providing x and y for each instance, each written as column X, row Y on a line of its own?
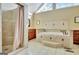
column 36, row 48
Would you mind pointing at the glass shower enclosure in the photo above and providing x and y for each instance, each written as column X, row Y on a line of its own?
column 12, row 27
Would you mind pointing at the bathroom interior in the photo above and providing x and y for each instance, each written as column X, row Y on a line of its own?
column 56, row 28
column 10, row 24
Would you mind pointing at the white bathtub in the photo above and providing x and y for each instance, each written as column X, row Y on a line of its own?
column 51, row 33
column 53, row 39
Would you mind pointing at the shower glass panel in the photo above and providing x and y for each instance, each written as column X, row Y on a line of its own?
column 10, row 15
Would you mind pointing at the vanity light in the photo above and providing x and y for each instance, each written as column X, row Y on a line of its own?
column 38, row 22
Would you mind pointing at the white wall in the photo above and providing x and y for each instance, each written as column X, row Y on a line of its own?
column 60, row 15
column 0, row 30
column 25, row 25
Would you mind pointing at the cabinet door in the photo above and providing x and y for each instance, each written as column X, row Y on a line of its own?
column 76, row 36
column 31, row 33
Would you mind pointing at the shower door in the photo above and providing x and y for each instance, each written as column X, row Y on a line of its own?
column 12, row 27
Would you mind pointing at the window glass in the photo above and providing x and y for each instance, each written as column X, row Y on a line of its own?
column 46, row 7
column 65, row 5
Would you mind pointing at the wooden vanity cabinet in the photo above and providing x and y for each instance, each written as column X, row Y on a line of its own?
column 31, row 34
column 76, row 36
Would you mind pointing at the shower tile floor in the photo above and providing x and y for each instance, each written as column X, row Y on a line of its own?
column 36, row 48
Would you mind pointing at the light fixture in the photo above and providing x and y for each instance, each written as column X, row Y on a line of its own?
column 38, row 22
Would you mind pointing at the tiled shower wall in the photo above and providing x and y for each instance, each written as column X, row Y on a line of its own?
column 8, row 27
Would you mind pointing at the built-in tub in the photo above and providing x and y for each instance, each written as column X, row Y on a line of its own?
column 53, row 39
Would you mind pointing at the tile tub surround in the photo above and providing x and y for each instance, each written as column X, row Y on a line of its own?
column 52, row 44
column 68, row 38
column 36, row 48
column 49, row 39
